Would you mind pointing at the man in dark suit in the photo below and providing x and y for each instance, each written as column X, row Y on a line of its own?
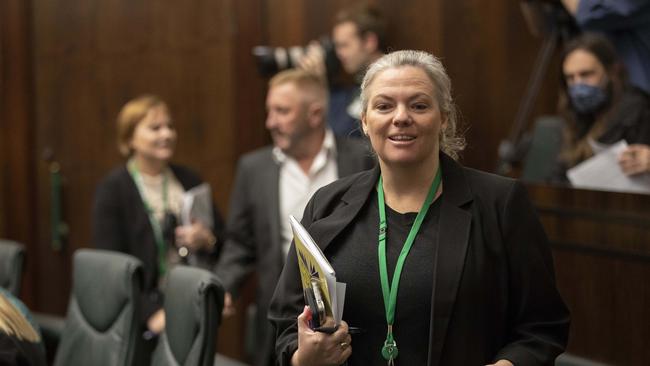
column 277, row 181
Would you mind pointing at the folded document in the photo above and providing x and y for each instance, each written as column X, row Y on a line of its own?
column 322, row 293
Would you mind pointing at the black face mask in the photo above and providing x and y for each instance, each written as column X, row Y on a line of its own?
column 168, row 228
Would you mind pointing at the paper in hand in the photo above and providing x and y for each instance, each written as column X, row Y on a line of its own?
column 197, row 206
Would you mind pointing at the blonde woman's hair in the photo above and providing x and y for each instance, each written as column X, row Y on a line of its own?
column 14, row 323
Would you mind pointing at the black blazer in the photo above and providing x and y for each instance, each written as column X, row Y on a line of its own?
column 121, row 223
column 494, row 293
column 254, row 237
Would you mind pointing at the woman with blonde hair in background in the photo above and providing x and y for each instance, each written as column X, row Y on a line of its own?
column 20, row 342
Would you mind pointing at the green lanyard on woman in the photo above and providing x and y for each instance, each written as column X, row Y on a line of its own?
column 389, row 350
column 155, row 224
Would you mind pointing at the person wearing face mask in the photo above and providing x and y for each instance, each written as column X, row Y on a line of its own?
column 600, row 107
column 136, row 206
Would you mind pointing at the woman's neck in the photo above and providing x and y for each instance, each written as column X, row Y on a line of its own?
column 151, row 167
column 406, row 187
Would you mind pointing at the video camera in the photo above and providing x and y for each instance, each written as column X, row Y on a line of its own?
column 271, row 60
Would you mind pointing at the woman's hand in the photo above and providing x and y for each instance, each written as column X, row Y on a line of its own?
column 313, row 60
column 228, row 306
column 317, row 348
column 635, row 159
column 156, row 322
column 195, row 237
column 502, row 363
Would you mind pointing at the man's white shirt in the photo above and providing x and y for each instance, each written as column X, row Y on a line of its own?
column 296, row 187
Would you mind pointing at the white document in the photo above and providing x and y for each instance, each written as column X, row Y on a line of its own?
column 602, row 172
column 197, row 206
column 598, row 147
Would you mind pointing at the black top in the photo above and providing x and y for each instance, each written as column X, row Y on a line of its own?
column 364, row 300
column 17, row 352
column 121, row 223
column 493, row 290
column 629, row 119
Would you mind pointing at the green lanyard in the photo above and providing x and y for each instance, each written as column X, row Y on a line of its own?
column 389, row 350
column 155, row 224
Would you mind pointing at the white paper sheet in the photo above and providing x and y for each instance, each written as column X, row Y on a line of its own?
column 602, row 172
column 197, row 205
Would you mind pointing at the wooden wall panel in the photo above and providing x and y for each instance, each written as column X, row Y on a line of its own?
column 248, row 30
column 601, row 247
column 489, row 54
column 90, row 58
column 17, row 184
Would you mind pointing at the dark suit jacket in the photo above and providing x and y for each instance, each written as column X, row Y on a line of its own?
column 121, row 223
column 494, row 293
column 254, row 237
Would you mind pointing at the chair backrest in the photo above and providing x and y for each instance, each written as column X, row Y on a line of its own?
column 541, row 159
column 102, row 323
column 12, row 257
column 193, row 304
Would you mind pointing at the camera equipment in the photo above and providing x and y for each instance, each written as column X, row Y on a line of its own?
column 271, row 60
column 548, row 18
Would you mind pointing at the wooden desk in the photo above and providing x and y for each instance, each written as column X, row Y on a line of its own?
column 601, row 247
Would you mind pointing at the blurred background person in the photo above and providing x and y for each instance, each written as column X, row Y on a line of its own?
column 276, row 181
column 20, row 341
column 137, row 206
column 627, row 24
column 600, row 107
column 468, row 259
column 359, row 37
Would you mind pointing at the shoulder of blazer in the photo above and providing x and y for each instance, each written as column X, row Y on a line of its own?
column 488, row 185
column 262, row 155
column 354, row 153
column 187, row 177
column 255, row 160
column 345, row 190
column 118, row 179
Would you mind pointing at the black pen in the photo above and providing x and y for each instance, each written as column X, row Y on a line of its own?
column 330, row 330
column 355, row 330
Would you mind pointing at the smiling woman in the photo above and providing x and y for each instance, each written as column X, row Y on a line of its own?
column 436, row 256
column 136, row 207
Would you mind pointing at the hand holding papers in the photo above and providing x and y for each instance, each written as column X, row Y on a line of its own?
column 197, row 206
column 322, row 293
column 197, row 221
column 602, row 172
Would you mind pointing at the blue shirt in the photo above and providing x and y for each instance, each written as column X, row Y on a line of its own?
column 338, row 117
column 627, row 24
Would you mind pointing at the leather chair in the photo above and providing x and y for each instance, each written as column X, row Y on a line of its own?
column 101, row 325
column 566, row 359
column 544, row 149
column 193, row 304
column 12, row 257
